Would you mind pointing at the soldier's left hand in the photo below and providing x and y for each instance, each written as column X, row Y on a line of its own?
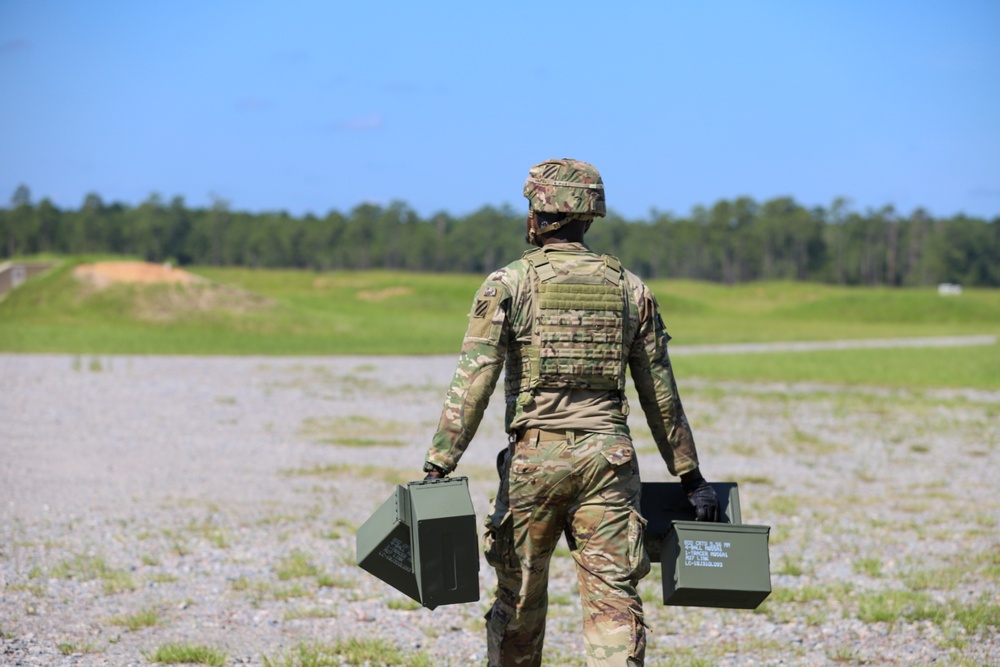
column 706, row 503
column 702, row 497
column 433, row 472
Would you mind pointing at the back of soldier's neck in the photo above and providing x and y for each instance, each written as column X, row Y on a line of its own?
column 549, row 240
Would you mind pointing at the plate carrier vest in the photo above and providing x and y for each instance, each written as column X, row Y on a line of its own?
column 577, row 334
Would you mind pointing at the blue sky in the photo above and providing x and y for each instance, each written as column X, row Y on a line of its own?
column 313, row 106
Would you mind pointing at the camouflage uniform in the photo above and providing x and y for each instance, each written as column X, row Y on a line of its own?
column 570, row 467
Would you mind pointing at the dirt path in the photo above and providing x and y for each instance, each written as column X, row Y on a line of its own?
column 808, row 346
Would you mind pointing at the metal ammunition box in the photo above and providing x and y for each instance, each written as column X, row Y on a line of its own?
column 422, row 541
column 705, row 564
column 385, row 547
column 716, row 565
column 665, row 502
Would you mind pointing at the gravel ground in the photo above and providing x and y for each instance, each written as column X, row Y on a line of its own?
column 213, row 501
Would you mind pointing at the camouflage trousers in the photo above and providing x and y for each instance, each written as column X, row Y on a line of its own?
column 586, row 486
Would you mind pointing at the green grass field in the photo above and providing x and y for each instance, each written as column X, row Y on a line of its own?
column 287, row 312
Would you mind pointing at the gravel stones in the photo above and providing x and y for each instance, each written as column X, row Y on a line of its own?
column 218, row 497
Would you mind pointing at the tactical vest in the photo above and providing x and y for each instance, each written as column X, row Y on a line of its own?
column 577, row 333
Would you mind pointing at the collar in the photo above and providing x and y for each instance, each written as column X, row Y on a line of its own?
column 566, row 247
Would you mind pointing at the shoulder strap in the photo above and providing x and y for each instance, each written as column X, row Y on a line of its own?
column 612, row 269
column 540, row 261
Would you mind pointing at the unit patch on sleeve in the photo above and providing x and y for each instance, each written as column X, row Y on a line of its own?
column 481, row 318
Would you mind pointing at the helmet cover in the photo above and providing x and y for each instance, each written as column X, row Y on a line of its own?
column 565, row 186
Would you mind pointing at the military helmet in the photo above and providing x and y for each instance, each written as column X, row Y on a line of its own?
column 565, row 186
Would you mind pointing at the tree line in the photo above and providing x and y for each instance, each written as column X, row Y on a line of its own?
column 729, row 242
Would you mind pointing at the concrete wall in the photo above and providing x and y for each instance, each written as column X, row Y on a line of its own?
column 13, row 274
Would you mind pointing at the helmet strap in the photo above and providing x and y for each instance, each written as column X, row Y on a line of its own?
column 532, row 236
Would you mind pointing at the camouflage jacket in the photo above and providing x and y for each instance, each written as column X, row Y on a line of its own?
column 501, row 317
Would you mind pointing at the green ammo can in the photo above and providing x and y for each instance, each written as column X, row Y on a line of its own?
column 705, row 564
column 422, row 541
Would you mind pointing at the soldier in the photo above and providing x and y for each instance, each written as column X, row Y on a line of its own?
column 565, row 323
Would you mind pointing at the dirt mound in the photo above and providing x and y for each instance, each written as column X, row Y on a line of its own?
column 162, row 293
column 105, row 273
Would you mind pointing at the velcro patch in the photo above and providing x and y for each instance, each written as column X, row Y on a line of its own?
column 481, row 323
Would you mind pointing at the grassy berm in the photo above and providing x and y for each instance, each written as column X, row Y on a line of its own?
column 293, row 313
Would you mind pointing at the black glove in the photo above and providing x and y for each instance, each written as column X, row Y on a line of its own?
column 433, row 471
column 702, row 496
